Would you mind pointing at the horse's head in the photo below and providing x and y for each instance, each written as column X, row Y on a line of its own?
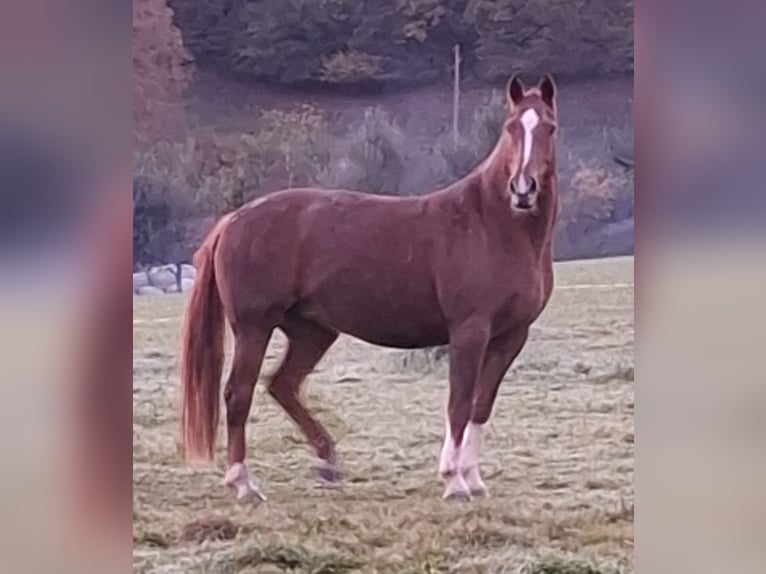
column 531, row 125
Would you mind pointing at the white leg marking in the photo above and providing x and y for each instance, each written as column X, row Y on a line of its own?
column 449, row 468
column 239, row 478
column 449, row 459
column 469, row 459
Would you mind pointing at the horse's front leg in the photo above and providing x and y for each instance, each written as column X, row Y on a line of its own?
column 466, row 353
column 501, row 352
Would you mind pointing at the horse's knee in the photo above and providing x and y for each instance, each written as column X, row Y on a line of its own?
column 482, row 405
column 459, row 416
column 481, row 414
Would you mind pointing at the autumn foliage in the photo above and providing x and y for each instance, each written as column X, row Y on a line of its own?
column 161, row 72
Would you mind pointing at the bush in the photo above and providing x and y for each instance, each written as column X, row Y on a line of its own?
column 292, row 146
column 370, row 158
column 350, row 66
column 160, row 219
column 211, row 173
column 594, row 198
column 477, row 143
column 174, row 183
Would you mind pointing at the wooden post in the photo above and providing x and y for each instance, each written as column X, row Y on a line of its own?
column 456, row 98
column 289, row 165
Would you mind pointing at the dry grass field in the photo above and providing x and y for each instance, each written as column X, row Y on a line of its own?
column 557, row 456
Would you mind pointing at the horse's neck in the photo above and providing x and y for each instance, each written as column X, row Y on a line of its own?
column 494, row 172
column 491, row 177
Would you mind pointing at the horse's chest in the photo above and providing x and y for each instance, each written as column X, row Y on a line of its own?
column 525, row 297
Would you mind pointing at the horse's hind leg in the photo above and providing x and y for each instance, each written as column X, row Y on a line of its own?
column 307, row 344
column 249, row 349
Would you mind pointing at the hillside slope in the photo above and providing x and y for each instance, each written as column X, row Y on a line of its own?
column 363, row 42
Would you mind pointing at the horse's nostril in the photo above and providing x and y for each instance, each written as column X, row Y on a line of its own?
column 532, row 184
column 513, row 186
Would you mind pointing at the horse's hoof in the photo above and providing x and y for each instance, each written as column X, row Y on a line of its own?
column 455, row 487
column 475, row 484
column 238, row 478
column 457, row 496
column 251, row 496
column 329, row 475
column 329, row 485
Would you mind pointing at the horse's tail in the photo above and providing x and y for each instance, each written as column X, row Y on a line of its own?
column 202, row 356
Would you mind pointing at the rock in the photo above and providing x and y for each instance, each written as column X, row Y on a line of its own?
column 140, row 280
column 188, row 271
column 149, row 290
column 162, row 277
column 186, row 285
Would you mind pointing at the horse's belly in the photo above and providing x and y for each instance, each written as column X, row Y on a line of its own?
column 400, row 322
column 402, row 336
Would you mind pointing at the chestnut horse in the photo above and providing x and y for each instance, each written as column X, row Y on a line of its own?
column 467, row 266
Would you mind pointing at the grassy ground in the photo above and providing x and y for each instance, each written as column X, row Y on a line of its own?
column 557, row 457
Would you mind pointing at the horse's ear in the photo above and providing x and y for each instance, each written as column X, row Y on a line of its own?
column 548, row 91
column 515, row 90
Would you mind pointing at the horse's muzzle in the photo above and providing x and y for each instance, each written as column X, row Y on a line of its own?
column 523, row 201
column 523, row 193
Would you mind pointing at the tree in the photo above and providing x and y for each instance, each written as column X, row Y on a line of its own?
column 161, row 72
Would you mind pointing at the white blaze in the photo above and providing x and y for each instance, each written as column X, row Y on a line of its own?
column 529, row 121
